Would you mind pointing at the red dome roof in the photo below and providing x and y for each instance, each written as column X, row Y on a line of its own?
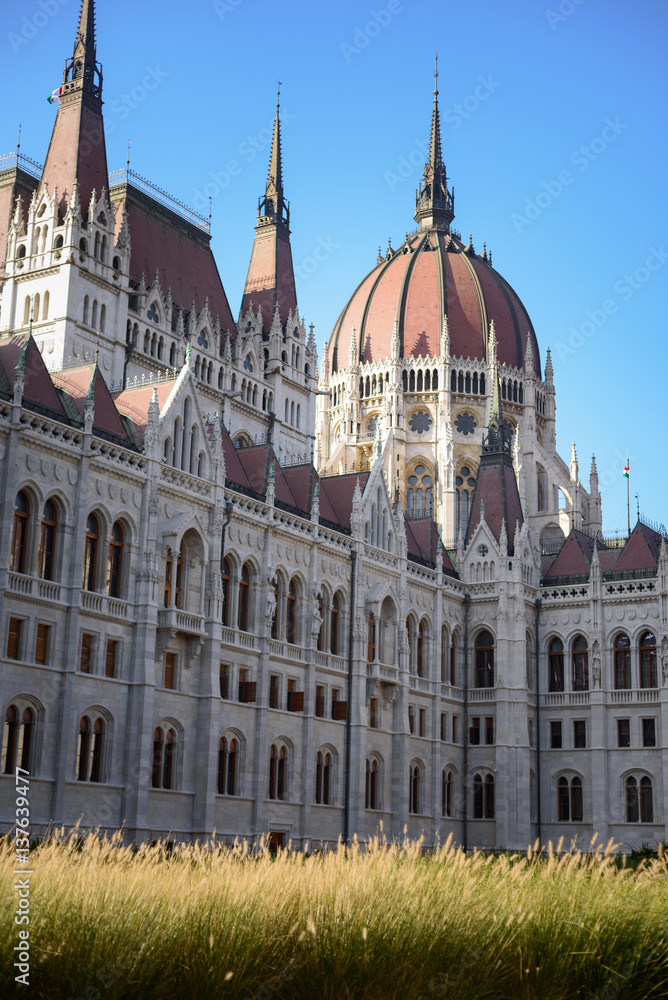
column 431, row 274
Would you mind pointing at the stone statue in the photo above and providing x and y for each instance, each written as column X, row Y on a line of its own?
column 316, row 621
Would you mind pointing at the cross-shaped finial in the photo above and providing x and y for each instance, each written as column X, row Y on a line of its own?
column 436, row 76
column 278, row 94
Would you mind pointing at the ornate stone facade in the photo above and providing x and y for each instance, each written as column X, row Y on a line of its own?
column 204, row 626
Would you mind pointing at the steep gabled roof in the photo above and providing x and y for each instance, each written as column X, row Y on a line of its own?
column 339, row 492
column 641, row 550
column 422, row 541
column 38, row 386
column 76, row 383
column 574, row 557
column 133, row 402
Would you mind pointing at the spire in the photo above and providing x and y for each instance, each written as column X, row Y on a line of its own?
column 353, row 350
column 434, row 204
column 445, row 338
column 396, row 344
column 573, row 465
column 270, row 280
column 593, row 476
column 77, row 149
column 549, row 371
column 528, row 358
column 273, row 207
column 80, row 73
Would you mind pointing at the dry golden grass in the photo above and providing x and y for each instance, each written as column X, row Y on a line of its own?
column 380, row 924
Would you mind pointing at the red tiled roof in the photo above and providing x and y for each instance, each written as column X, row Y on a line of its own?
column 76, row 382
column 134, row 401
column 234, row 470
column 270, row 276
column 432, row 275
column 422, row 540
column 38, row 386
column 186, row 264
column 77, row 149
column 339, row 492
column 574, row 557
column 497, row 486
column 641, row 550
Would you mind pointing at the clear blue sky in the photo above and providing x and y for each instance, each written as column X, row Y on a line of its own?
column 523, row 87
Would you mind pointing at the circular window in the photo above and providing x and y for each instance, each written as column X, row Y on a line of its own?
column 412, row 480
column 471, row 482
column 426, row 479
column 420, row 422
column 465, row 471
column 465, row 423
column 459, row 481
column 419, row 469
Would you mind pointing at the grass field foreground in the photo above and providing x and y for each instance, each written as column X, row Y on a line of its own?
column 381, row 923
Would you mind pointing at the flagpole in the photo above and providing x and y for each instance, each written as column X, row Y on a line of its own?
column 628, row 501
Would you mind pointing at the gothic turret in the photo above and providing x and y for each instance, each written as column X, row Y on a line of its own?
column 77, row 149
column 434, row 204
column 270, row 280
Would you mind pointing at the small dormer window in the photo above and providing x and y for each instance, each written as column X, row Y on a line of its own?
column 203, row 341
column 153, row 313
column 248, row 363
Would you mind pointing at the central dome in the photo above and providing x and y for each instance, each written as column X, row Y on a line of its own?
column 433, row 274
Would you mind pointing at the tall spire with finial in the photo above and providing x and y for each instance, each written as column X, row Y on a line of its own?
column 274, row 206
column 434, row 203
column 77, row 149
column 270, row 280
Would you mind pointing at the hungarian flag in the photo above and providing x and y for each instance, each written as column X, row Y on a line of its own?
column 54, row 97
column 626, row 471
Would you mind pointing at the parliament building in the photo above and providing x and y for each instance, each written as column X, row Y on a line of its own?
column 249, row 590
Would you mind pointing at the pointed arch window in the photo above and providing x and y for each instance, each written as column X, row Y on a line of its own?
column 115, row 566
column 371, row 796
column 47, row 541
column 483, row 796
column 580, row 659
column 291, row 616
column 648, row 672
column 334, row 626
column 90, row 552
column 569, row 799
column 622, row 653
column 323, row 777
column 484, row 660
column 20, row 532
column 277, row 772
column 556, row 665
column 420, row 650
column 415, row 788
column 225, row 580
column 173, row 570
column 244, row 598
column 17, row 739
column 228, row 754
column 446, row 792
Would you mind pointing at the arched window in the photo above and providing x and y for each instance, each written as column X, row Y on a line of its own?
column 484, row 660
column 556, row 665
column 47, row 541
column 93, row 315
column 17, row 739
column 569, row 799
column 103, row 250
column 415, row 789
column 173, row 580
column 228, row 755
column 453, row 661
column 371, row 794
column 409, row 637
column 278, row 760
column 622, row 653
column 90, row 553
column 420, row 651
column 172, row 356
column 20, row 532
column 96, row 246
column 444, row 655
column 45, row 308
column 244, row 587
column 648, row 674
column 83, row 749
column 291, row 616
column 483, row 796
column 446, row 792
column 96, row 751
column 168, row 755
column 334, row 626
column 580, row 664
column 323, row 777
column 86, row 310
column 161, row 348
column 115, row 565
column 225, row 579
column 371, row 639
column 26, row 311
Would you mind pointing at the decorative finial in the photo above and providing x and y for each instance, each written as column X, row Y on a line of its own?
column 127, row 164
